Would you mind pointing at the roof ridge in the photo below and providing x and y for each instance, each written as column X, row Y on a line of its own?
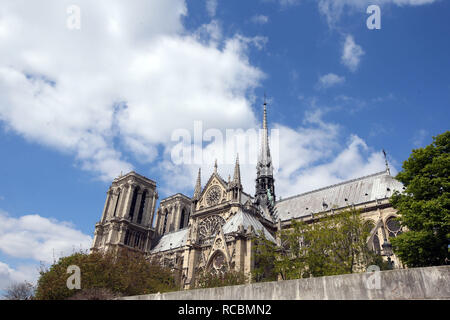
column 173, row 232
column 247, row 194
column 135, row 173
column 173, row 195
column 333, row 185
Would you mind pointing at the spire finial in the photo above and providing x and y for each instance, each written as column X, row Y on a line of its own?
column 215, row 166
column 198, row 185
column 264, row 159
column 265, row 113
column 264, row 168
column 237, row 173
column 386, row 163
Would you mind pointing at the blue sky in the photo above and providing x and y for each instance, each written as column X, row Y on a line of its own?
column 78, row 106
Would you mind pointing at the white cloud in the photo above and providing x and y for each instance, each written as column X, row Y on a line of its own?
column 211, row 7
column 349, row 104
column 9, row 275
column 305, row 158
column 38, row 238
column 129, row 77
column 419, row 138
column 260, row 19
column 351, row 53
column 35, row 238
column 286, row 3
column 330, row 80
column 333, row 9
column 351, row 161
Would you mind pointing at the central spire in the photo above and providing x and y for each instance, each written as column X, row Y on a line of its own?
column 264, row 166
column 265, row 114
column 265, row 188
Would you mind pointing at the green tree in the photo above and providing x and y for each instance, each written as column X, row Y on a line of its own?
column 207, row 279
column 424, row 205
column 334, row 244
column 121, row 274
column 264, row 252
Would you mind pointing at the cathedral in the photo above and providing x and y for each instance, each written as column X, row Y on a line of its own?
column 212, row 230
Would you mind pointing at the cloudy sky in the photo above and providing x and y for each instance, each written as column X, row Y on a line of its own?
column 82, row 100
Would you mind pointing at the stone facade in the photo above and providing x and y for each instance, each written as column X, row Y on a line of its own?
column 127, row 215
column 173, row 213
column 212, row 230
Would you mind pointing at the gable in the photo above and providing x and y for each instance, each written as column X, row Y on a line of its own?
column 214, row 192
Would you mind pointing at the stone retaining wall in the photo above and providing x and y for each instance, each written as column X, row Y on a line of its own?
column 416, row 283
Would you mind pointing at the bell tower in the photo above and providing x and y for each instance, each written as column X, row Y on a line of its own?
column 128, row 214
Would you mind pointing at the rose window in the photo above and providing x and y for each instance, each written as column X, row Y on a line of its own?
column 393, row 227
column 213, row 196
column 209, row 226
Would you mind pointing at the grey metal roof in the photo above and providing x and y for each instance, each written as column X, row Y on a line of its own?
column 246, row 220
column 245, row 197
column 369, row 188
column 171, row 240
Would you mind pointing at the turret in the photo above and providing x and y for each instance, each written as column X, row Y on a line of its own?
column 197, row 190
column 235, row 185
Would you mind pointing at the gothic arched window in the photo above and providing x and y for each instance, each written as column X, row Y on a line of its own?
column 117, row 203
column 393, row 227
column 141, row 207
column 182, row 219
column 376, row 244
column 218, row 264
column 172, row 223
column 166, row 214
column 133, row 202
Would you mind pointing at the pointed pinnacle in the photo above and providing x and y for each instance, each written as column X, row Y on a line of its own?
column 265, row 115
column 237, row 172
column 198, row 185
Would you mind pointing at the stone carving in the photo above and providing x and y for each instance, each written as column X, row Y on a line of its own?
column 209, row 226
column 218, row 263
column 213, row 196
